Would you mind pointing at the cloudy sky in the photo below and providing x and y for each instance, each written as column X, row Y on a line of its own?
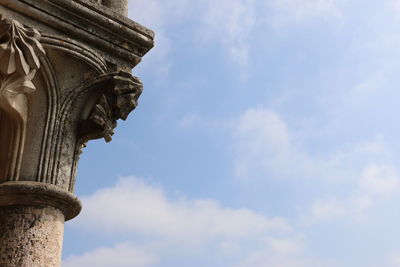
column 268, row 135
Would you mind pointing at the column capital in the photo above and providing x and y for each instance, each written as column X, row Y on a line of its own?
column 72, row 61
column 65, row 79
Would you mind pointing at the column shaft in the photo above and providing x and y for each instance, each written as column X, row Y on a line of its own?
column 31, row 236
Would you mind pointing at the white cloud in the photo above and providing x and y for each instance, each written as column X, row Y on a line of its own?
column 262, row 140
column 135, row 208
column 380, row 180
column 325, row 210
column 396, row 260
column 225, row 22
column 286, row 246
column 122, row 255
column 188, row 121
column 305, row 9
column 283, row 252
column 396, row 5
column 376, row 184
column 350, row 210
column 139, row 208
column 267, row 149
column 230, row 22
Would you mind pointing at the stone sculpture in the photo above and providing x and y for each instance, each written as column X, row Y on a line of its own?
column 65, row 79
column 19, row 52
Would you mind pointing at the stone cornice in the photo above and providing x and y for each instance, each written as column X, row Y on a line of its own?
column 92, row 24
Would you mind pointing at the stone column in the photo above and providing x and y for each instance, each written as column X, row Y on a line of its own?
column 65, row 79
column 32, row 219
column 120, row 6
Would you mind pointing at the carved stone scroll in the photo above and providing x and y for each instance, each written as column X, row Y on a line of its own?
column 19, row 59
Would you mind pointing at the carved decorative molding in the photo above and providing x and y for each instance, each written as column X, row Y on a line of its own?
column 88, row 21
column 84, row 84
column 19, row 47
column 114, row 104
column 102, row 116
column 20, row 50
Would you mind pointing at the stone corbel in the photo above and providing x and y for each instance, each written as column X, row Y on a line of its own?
column 120, row 97
column 20, row 50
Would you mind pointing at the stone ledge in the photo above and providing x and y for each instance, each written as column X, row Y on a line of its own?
column 91, row 23
column 39, row 194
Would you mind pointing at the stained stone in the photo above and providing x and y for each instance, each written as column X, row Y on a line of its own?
column 30, row 236
column 65, row 79
column 120, row 6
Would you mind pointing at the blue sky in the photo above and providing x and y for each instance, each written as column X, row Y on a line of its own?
column 267, row 135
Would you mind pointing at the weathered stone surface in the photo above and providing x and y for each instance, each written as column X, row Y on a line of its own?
column 30, row 236
column 40, row 195
column 120, row 6
column 65, row 79
column 84, row 25
column 83, row 53
column 19, row 56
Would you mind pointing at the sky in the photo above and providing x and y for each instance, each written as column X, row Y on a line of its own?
column 267, row 135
